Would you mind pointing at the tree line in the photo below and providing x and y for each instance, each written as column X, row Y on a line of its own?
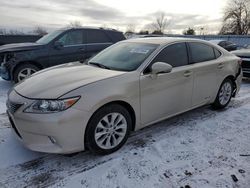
column 236, row 21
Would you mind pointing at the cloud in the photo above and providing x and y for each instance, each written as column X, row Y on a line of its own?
column 58, row 13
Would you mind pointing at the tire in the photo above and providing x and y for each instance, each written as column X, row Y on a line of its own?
column 226, row 92
column 27, row 69
column 101, row 134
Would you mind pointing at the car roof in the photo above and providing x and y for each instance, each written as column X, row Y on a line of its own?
column 89, row 27
column 217, row 41
column 164, row 40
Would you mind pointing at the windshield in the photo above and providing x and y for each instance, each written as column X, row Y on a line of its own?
column 125, row 56
column 49, row 37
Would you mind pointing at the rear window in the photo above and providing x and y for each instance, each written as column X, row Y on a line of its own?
column 201, row 52
column 97, row 36
column 217, row 53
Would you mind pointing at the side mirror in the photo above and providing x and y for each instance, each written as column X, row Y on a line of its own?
column 58, row 45
column 160, row 67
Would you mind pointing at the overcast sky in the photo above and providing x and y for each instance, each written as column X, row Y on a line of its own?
column 51, row 14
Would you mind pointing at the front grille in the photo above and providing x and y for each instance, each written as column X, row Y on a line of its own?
column 246, row 64
column 13, row 107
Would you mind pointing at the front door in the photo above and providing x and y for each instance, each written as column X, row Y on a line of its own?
column 169, row 93
column 73, row 49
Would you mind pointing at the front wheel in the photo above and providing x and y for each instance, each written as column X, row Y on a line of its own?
column 224, row 94
column 24, row 71
column 108, row 129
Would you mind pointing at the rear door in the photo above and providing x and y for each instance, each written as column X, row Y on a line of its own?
column 205, row 66
column 73, row 49
column 97, row 40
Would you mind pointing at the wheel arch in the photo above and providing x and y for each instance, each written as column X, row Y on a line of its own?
column 35, row 63
column 232, row 78
column 124, row 104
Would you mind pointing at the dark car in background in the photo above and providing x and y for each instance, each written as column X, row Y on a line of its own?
column 18, row 61
column 244, row 54
column 229, row 46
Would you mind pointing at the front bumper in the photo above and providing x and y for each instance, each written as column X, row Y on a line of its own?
column 4, row 73
column 61, row 132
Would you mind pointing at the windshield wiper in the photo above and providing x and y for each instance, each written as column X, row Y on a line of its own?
column 99, row 65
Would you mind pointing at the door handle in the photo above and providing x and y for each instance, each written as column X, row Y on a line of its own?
column 187, row 73
column 82, row 49
column 221, row 65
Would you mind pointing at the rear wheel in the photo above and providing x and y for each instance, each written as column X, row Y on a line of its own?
column 224, row 94
column 108, row 129
column 24, row 71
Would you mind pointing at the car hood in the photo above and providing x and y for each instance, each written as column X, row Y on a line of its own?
column 242, row 52
column 19, row 47
column 54, row 82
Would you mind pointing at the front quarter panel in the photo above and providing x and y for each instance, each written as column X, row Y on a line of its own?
column 120, row 88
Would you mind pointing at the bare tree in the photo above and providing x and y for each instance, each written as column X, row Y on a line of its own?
column 189, row 31
column 160, row 24
column 3, row 32
column 75, row 23
column 40, row 31
column 144, row 32
column 236, row 17
column 130, row 28
column 15, row 32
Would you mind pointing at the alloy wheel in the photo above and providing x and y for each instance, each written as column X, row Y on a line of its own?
column 24, row 73
column 110, row 130
column 225, row 93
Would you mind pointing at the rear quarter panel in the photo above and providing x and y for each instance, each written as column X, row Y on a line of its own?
column 231, row 68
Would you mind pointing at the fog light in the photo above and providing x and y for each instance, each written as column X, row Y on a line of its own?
column 53, row 141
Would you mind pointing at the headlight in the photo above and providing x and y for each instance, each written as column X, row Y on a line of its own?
column 51, row 106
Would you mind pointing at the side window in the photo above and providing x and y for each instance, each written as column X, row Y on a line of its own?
column 175, row 55
column 72, row 38
column 217, row 53
column 97, row 36
column 229, row 43
column 222, row 44
column 201, row 52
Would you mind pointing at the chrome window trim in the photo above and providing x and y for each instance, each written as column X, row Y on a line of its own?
column 159, row 49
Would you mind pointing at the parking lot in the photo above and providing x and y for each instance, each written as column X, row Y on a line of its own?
column 201, row 148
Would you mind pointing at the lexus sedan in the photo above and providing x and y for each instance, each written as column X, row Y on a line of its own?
column 128, row 86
